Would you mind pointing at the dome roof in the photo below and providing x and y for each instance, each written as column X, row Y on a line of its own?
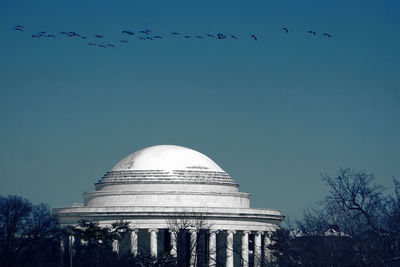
column 167, row 157
column 165, row 164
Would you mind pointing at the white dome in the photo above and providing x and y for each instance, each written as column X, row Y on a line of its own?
column 167, row 175
column 167, row 157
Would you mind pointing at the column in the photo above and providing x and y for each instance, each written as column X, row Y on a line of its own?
column 229, row 248
column 71, row 239
column 212, row 249
column 134, row 242
column 153, row 242
column 267, row 251
column 174, row 247
column 115, row 246
column 62, row 250
column 193, row 247
column 245, row 248
column 257, row 249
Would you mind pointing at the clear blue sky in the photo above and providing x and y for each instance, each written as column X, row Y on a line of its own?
column 273, row 113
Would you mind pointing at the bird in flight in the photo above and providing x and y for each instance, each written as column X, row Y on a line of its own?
column 157, row 37
column 102, row 46
column 123, row 41
column 312, row 32
column 234, row 37
column 254, row 37
column 221, row 36
column 35, row 36
column 111, row 45
column 199, row 37
column 19, row 28
column 99, row 36
column 285, row 29
column 91, row 44
column 127, row 32
column 175, row 33
column 327, row 35
column 187, row 36
column 51, row 36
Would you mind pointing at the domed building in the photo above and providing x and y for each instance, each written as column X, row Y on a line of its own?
column 159, row 188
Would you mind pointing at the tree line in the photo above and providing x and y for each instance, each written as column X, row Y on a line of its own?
column 356, row 224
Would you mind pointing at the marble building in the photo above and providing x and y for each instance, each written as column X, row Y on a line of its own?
column 157, row 188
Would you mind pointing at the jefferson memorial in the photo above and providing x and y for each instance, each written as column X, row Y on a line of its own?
column 166, row 189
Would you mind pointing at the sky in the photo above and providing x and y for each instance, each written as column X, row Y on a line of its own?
column 274, row 113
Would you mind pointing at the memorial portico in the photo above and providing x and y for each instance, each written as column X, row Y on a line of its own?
column 155, row 186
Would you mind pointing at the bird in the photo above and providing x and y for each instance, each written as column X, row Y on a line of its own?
column 111, row 45
column 199, row 37
column 327, row 35
column 221, row 36
column 102, row 46
column 187, row 36
column 83, row 37
column 91, row 44
column 312, row 32
column 127, row 32
column 19, row 26
column 234, row 37
column 175, row 33
column 99, row 36
column 157, row 37
column 149, row 38
column 123, row 41
column 64, row 33
column 19, row 29
column 285, row 29
column 254, row 37
column 35, row 36
column 210, row 35
column 142, row 38
column 145, row 32
column 71, row 34
column 51, row 36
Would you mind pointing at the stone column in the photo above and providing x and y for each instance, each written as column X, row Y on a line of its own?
column 62, row 251
column 245, row 248
column 71, row 240
column 153, row 242
column 134, row 242
column 212, row 249
column 193, row 248
column 257, row 249
column 115, row 246
column 267, row 252
column 229, row 248
column 174, row 247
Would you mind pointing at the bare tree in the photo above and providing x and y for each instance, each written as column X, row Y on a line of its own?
column 28, row 233
column 186, row 228
column 357, row 224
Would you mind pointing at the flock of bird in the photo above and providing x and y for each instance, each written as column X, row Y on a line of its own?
column 144, row 35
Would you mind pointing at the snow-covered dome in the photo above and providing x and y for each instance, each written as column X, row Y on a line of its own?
column 167, row 157
column 167, row 175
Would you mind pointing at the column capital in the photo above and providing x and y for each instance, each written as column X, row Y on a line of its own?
column 153, row 230
column 213, row 231
column 260, row 232
column 192, row 230
column 134, row 230
column 246, row 232
column 172, row 231
column 231, row 231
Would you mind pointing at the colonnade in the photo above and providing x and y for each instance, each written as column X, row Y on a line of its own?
column 261, row 254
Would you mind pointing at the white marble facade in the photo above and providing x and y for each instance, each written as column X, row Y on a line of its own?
column 158, row 185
